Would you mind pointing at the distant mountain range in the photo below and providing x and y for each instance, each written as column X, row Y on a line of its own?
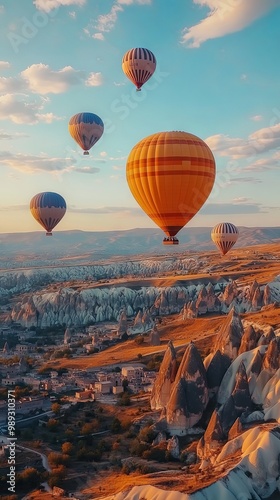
column 105, row 244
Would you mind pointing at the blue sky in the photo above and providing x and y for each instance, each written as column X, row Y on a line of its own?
column 217, row 76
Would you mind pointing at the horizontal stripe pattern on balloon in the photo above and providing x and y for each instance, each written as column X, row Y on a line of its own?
column 48, row 209
column 224, row 235
column 139, row 65
column 171, row 174
column 86, row 129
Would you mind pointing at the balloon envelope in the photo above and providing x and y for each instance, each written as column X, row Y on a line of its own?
column 224, row 235
column 86, row 129
column 171, row 175
column 139, row 65
column 48, row 209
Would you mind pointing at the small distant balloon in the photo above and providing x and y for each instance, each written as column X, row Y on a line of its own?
column 224, row 235
column 86, row 129
column 48, row 209
column 139, row 65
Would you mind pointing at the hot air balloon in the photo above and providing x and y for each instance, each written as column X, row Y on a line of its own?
column 48, row 209
column 139, row 65
column 171, row 174
column 224, row 235
column 86, row 129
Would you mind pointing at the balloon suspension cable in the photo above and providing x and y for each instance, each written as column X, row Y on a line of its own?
column 48, row 234
column 86, row 153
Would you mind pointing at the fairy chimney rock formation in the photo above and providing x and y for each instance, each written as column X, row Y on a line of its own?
column 257, row 300
column 241, row 394
column 215, row 371
column 229, row 294
column 267, row 296
column 212, row 437
column 189, row 395
column 229, row 337
column 162, row 387
column 154, row 337
column 249, row 340
column 235, row 429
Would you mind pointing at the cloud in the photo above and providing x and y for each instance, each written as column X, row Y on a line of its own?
column 31, row 164
column 87, row 170
column 48, row 5
column 98, row 36
column 231, row 208
column 264, row 164
column 241, row 199
column 241, row 180
column 106, row 22
column 42, row 79
column 225, row 17
column 8, row 85
column 256, row 118
column 107, row 210
column 4, row 64
column 4, row 136
column 261, row 141
column 94, row 80
column 2, row 9
column 19, row 110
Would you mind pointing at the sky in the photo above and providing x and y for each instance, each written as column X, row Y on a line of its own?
column 217, row 76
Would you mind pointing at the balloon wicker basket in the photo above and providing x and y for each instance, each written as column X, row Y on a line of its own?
column 170, row 241
column 86, row 153
column 48, row 234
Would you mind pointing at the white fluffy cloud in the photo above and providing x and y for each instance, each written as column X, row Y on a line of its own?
column 231, row 208
column 106, row 22
column 225, row 17
column 31, row 164
column 264, row 164
column 94, row 80
column 4, row 64
column 20, row 109
column 256, row 118
column 42, row 79
column 8, row 85
column 5, row 136
column 48, row 5
column 263, row 140
column 98, row 36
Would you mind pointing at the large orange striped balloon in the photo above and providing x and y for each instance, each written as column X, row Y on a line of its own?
column 139, row 65
column 171, row 175
column 224, row 235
